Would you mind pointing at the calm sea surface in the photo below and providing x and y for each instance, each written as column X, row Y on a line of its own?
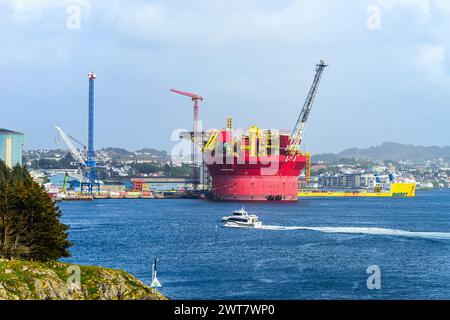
column 313, row 249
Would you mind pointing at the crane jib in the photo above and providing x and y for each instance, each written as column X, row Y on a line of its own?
column 297, row 133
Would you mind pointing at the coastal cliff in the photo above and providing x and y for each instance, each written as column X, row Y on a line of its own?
column 24, row 280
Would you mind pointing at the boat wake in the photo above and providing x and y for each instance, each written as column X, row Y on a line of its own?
column 366, row 231
column 232, row 225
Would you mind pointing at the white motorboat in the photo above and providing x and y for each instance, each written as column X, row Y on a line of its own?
column 241, row 218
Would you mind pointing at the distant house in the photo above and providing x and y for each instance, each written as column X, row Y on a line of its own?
column 11, row 147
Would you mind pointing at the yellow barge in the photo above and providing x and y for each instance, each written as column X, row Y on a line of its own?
column 397, row 190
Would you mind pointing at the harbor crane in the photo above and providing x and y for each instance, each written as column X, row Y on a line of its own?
column 79, row 155
column 196, row 136
column 90, row 183
column 297, row 133
column 76, row 154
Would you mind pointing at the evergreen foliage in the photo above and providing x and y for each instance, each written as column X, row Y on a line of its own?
column 30, row 226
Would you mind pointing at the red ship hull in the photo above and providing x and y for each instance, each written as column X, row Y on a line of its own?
column 273, row 178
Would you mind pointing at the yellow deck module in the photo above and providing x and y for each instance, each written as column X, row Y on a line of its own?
column 211, row 144
column 398, row 190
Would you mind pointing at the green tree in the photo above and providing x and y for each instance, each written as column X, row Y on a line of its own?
column 178, row 172
column 7, row 223
column 66, row 162
column 30, row 226
column 145, row 168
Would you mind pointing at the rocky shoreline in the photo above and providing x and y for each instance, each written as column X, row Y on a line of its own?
column 25, row 280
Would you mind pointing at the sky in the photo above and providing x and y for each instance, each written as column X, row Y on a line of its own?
column 254, row 60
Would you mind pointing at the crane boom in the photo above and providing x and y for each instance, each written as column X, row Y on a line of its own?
column 73, row 150
column 196, row 136
column 297, row 133
column 188, row 94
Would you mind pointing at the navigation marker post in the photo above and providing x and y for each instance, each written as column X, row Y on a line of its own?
column 155, row 281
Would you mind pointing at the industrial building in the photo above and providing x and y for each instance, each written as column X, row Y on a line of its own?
column 352, row 181
column 69, row 181
column 347, row 181
column 112, row 187
column 11, row 147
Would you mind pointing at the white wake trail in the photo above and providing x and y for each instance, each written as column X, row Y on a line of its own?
column 368, row 231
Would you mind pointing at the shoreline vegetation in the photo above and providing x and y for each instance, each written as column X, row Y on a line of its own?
column 51, row 280
column 32, row 239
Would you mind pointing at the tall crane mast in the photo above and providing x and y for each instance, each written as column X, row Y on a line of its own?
column 195, row 136
column 92, row 184
column 297, row 133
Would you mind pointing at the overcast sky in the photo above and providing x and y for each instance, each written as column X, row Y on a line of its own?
column 254, row 60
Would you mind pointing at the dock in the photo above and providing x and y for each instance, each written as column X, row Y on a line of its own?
column 126, row 195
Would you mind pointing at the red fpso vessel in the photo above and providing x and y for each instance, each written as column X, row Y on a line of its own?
column 259, row 165
column 252, row 173
column 247, row 182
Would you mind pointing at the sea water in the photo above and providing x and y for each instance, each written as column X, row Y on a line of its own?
column 313, row 249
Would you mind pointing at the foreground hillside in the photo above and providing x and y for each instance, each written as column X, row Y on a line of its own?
column 25, row 280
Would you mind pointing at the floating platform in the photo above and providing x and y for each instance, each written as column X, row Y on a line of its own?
column 398, row 190
column 273, row 178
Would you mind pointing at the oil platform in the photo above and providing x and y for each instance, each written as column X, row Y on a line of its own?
column 257, row 165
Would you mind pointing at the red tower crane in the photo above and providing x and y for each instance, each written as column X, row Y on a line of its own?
column 195, row 135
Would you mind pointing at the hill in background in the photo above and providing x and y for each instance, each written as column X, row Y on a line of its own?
column 389, row 151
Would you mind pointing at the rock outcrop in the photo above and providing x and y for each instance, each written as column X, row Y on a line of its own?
column 24, row 280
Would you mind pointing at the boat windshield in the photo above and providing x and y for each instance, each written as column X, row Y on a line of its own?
column 239, row 219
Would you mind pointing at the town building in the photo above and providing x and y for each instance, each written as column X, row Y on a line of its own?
column 11, row 147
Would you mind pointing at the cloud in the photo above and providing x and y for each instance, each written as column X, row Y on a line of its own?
column 260, row 52
column 429, row 34
column 422, row 6
column 431, row 59
column 23, row 9
column 443, row 6
column 426, row 8
column 222, row 24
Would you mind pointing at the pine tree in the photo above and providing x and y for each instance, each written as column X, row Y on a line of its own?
column 6, row 212
column 30, row 226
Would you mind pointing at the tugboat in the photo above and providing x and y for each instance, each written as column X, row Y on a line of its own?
column 241, row 218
